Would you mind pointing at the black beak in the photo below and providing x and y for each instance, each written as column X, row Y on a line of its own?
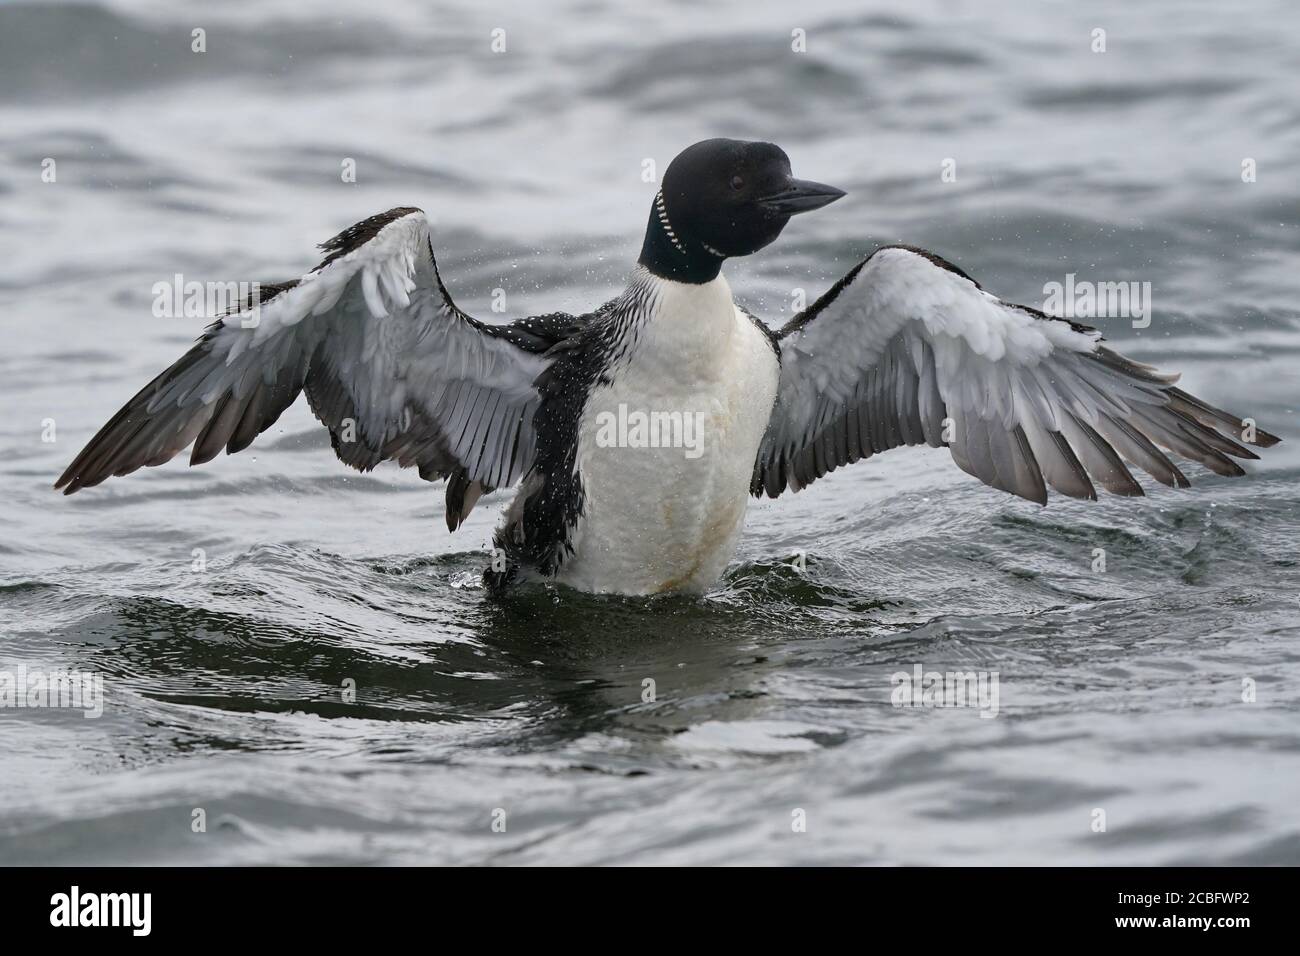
column 801, row 195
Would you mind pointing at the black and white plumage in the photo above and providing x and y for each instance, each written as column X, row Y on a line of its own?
column 906, row 349
column 907, row 343
column 389, row 365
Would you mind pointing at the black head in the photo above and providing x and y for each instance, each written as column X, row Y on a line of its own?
column 723, row 198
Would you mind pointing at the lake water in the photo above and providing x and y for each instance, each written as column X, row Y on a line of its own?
column 772, row 735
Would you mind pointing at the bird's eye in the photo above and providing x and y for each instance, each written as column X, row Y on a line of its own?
column 737, row 183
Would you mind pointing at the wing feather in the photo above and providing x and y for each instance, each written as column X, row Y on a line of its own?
column 909, row 350
column 390, row 366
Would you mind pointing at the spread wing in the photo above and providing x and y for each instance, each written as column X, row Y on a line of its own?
column 389, row 364
column 907, row 349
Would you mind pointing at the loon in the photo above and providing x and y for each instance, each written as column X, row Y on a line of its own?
column 906, row 349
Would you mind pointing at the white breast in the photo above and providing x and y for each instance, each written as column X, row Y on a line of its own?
column 666, row 451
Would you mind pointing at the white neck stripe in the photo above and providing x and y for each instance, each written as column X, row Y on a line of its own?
column 668, row 226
